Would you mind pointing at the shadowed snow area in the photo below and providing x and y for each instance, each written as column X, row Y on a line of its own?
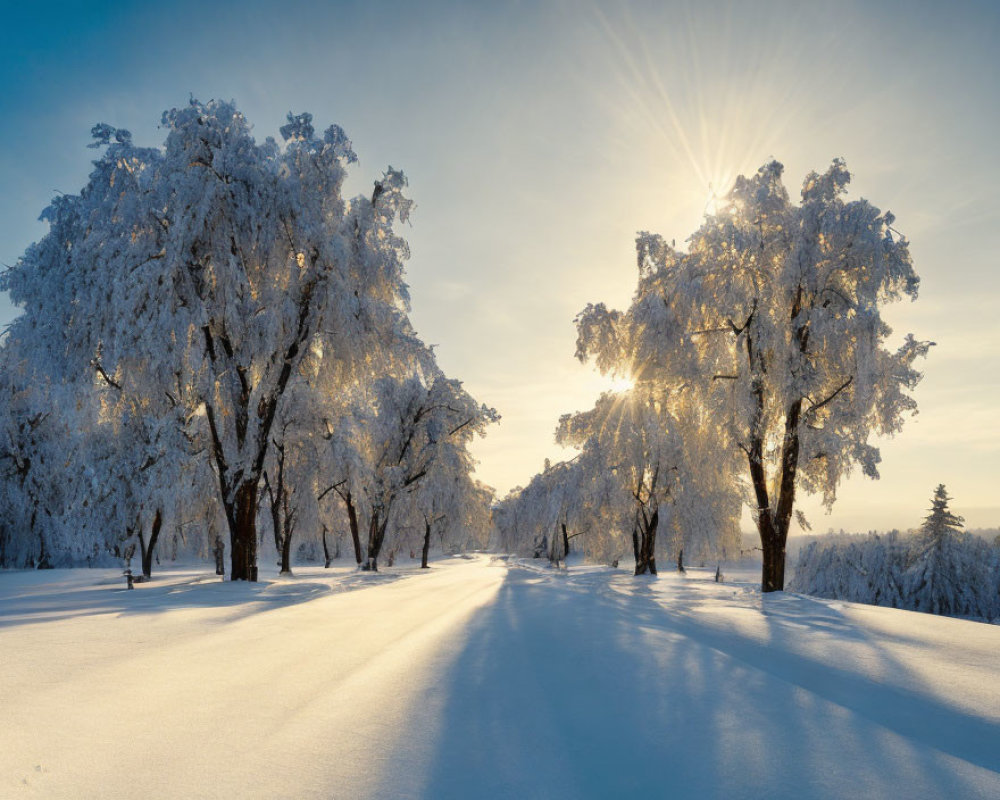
column 480, row 678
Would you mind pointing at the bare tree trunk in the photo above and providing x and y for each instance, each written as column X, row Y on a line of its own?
column 680, row 560
column 43, row 553
column 565, row 541
column 376, row 535
column 219, row 551
column 242, row 514
column 646, row 548
column 352, row 518
column 554, row 550
column 773, row 563
column 148, row 550
column 275, row 515
column 427, row 545
column 326, row 550
column 773, row 527
column 286, row 552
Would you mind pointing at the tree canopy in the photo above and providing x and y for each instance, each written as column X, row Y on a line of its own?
column 763, row 345
column 214, row 302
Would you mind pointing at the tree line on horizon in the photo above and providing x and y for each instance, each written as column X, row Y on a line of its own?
column 938, row 569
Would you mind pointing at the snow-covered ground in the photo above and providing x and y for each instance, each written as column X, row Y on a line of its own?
column 480, row 678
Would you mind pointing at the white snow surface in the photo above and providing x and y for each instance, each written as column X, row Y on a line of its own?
column 484, row 678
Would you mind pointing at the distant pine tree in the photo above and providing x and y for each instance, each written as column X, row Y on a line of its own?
column 935, row 581
column 940, row 569
column 940, row 522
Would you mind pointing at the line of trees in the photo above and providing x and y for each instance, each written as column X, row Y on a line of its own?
column 213, row 337
column 938, row 569
column 635, row 489
column 760, row 365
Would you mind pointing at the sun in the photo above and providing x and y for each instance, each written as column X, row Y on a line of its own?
column 713, row 203
column 620, row 383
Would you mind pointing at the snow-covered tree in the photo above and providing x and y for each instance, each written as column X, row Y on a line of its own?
column 416, row 425
column 32, row 439
column 863, row 570
column 772, row 321
column 940, row 522
column 219, row 264
column 654, row 468
column 554, row 509
column 942, row 579
column 447, row 503
column 939, row 569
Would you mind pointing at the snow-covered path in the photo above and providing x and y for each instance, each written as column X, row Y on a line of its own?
column 472, row 680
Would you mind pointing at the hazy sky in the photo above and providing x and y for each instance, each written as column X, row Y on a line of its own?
column 539, row 137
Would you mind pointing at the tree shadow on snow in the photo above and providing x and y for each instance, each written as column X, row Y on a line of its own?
column 574, row 688
column 106, row 594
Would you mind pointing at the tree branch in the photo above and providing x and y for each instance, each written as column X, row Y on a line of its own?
column 96, row 364
column 814, row 407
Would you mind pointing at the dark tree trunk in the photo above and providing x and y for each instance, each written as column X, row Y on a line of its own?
column 427, row 545
column 773, row 563
column 148, row 550
column 219, row 550
column 352, row 518
column 326, row 550
column 773, row 522
column 275, row 505
column 645, row 562
column 773, row 528
column 43, row 553
column 376, row 535
column 680, row 560
column 286, row 551
column 242, row 514
column 565, row 541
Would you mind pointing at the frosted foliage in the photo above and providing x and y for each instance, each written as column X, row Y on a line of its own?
column 417, row 438
column 958, row 577
column 641, row 470
column 207, row 313
column 215, row 256
column 772, row 323
column 939, row 569
column 648, row 454
column 529, row 521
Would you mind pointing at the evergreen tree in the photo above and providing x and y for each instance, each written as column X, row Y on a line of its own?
column 940, row 522
column 935, row 581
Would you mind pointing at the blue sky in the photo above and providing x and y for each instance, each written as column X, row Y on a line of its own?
column 539, row 137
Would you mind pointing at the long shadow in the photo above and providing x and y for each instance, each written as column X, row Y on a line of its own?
column 910, row 714
column 566, row 689
column 107, row 595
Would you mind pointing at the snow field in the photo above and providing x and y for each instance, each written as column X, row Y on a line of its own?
column 485, row 679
